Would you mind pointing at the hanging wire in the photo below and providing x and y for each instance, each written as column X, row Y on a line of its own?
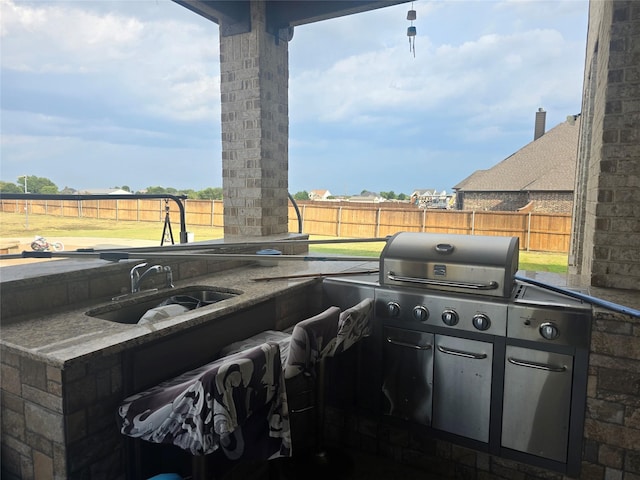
column 411, row 31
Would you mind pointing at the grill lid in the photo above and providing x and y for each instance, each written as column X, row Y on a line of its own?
column 476, row 264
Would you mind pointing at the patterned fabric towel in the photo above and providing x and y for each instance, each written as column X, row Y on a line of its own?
column 281, row 338
column 354, row 324
column 214, row 407
column 311, row 340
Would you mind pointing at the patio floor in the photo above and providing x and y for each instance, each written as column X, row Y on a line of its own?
column 349, row 465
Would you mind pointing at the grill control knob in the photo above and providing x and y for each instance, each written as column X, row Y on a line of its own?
column 420, row 313
column 481, row 321
column 393, row 309
column 450, row 317
column 549, row 331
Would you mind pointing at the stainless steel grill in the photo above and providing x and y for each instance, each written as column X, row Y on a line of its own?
column 465, row 350
column 479, row 265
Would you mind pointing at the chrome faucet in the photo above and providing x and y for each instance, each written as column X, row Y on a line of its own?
column 137, row 277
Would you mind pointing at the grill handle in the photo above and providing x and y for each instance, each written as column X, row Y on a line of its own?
column 399, row 343
column 460, row 353
column 444, row 248
column 492, row 285
column 539, row 366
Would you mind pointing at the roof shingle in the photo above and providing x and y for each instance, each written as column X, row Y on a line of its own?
column 546, row 164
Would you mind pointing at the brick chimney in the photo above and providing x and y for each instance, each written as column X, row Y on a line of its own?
column 541, row 117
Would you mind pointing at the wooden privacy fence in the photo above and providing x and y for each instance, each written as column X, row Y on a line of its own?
column 537, row 231
column 548, row 232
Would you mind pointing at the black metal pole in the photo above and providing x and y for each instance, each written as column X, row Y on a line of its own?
column 40, row 196
column 295, row 206
column 584, row 297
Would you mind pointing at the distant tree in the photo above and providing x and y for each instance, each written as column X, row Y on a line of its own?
column 156, row 190
column 210, row 193
column 126, row 188
column 170, row 191
column 49, row 190
column 37, row 184
column 402, row 196
column 388, row 195
column 303, row 195
column 6, row 187
column 68, row 191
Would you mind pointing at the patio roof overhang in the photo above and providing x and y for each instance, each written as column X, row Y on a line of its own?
column 233, row 16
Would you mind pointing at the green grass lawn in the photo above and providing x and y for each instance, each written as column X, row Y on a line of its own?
column 535, row 261
column 13, row 226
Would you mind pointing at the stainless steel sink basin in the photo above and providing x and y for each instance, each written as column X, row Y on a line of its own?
column 132, row 308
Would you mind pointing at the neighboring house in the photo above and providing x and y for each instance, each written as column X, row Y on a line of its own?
column 420, row 197
column 432, row 199
column 369, row 197
column 104, row 191
column 319, row 194
column 539, row 177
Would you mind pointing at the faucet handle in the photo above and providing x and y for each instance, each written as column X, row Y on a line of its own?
column 138, row 266
column 168, row 276
column 134, row 274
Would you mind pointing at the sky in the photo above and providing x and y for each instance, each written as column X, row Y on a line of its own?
column 101, row 94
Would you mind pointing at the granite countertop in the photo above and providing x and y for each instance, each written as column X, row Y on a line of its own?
column 67, row 335
column 626, row 299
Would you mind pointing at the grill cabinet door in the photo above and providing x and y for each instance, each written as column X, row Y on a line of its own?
column 407, row 380
column 537, row 398
column 462, row 387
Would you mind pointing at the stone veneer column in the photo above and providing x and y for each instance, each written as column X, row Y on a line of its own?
column 606, row 230
column 254, row 74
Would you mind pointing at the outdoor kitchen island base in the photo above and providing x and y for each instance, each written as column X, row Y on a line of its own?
column 447, row 455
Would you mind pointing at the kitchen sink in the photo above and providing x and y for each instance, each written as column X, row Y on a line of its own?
column 132, row 308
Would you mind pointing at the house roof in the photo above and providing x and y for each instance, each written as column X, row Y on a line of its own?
column 546, row 164
column 365, row 198
column 104, row 191
column 425, row 192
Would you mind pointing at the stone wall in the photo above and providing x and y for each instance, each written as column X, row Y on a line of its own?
column 552, row 202
column 492, row 201
column 543, row 202
column 612, row 425
column 60, row 424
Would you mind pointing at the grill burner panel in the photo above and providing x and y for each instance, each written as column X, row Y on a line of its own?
column 472, row 264
column 412, row 308
column 549, row 318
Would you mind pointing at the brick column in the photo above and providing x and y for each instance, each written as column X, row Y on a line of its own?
column 254, row 75
column 606, row 230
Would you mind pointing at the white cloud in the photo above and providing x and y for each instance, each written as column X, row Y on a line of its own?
column 151, row 61
column 495, row 73
column 36, row 33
